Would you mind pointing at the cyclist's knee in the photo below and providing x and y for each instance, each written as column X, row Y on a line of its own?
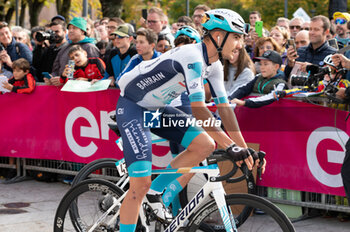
column 203, row 145
column 140, row 185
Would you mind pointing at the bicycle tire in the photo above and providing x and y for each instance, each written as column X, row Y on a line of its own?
column 185, row 195
column 92, row 167
column 272, row 220
column 93, row 187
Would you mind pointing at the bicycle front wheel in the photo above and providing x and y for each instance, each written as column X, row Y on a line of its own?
column 208, row 218
column 91, row 199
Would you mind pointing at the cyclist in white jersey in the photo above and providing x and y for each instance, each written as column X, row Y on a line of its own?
column 153, row 84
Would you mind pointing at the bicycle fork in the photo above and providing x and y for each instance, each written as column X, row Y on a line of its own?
column 226, row 214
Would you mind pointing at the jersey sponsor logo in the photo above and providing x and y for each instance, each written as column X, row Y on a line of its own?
column 137, row 138
column 147, row 81
column 120, row 111
column 151, row 119
column 193, row 85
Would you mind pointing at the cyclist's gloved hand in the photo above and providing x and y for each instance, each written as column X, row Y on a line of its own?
column 237, row 153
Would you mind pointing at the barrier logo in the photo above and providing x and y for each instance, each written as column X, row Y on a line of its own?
column 151, row 119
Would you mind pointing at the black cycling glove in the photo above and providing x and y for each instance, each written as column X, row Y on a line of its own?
column 237, row 153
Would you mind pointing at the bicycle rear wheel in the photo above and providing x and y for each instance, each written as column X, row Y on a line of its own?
column 208, row 218
column 91, row 199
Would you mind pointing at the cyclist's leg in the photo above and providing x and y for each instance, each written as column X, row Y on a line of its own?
column 137, row 147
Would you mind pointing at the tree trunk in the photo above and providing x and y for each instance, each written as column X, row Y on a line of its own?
column 111, row 8
column 35, row 7
column 23, row 12
column 63, row 7
column 9, row 14
column 2, row 10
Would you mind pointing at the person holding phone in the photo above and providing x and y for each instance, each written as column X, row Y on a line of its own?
column 316, row 51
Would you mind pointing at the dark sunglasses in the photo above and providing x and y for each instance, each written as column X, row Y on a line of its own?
column 114, row 36
column 340, row 21
column 296, row 27
column 305, row 28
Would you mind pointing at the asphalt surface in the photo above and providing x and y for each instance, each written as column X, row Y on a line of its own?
column 30, row 206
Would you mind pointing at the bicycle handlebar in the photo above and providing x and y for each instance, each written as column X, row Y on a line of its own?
column 221, row 155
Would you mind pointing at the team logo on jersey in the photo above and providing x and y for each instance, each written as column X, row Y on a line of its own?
column 194, row 85
column 151, row 119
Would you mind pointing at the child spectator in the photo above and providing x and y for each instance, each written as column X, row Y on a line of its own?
column 270, row 80
column 86, row 68
column 22, row 81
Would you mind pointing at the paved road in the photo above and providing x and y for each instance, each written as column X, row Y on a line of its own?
column 39, row 201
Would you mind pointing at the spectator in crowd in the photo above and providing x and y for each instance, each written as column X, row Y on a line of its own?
column 102, row 45
column 112, row 25
column 146, row 40
column 121, row 54
column 316, row 51
column 21, row 36
column 305, row 26
column 341, row 20
column 283, row 22
column 85, row 69
column 76, row 35
column 45, row 53
column 295, row 26
column 268, row 82
column 253, row 17
column 281, row 36
column 10, row 50
column 184, row 20
column 102, row 33
column 158, row 22
column 174, row 28
column 33, row 34
column 302, row 39
column 238, row 71
column 22, row 81
column 261, row 46
column 163, row 44
column 186, row 35
column 89, row 28
column 104, row 21
column 332, row 32
column 249, row 41
column 198, row 15
column 58, row 18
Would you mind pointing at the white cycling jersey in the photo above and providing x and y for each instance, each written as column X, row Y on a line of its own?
column 157, row 82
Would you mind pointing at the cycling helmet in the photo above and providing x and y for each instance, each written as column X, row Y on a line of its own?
column 224, row 19
column 190, row 32
column 328, row 60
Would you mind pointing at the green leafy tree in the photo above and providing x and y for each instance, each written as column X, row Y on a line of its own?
column 111, row 8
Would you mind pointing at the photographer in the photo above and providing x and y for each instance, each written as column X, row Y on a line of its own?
column 48, row 44
column 344, row 93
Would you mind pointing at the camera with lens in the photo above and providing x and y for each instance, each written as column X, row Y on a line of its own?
column 311, row 81
column 47, row 35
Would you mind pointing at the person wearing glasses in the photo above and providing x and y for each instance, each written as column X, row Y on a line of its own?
column 341, row 20
column 295, row 26
column 123, row 50
column 198, row 13
column 158, row 22
column 317, row 49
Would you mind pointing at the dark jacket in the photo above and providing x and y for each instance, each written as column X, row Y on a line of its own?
column 18, row 50
column 262, row 86
column 308, row 54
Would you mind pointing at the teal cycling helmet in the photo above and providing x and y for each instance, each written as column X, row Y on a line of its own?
column 190, row 32
column 224, row 19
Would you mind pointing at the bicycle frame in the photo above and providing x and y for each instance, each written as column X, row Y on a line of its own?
column 216, row 188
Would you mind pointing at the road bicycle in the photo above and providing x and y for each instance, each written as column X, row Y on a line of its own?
column 98, row 202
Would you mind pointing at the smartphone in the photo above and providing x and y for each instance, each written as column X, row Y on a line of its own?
column 144, row 13
column 333, row 43
column 291, row 43
column 259, row 28
column 47, row 75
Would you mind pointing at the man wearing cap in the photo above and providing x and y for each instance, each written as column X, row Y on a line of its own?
column 270, row 80
column 341, row 20
column 121, row 54
column 76, row 35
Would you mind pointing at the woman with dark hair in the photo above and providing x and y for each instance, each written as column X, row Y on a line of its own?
column 238, row 71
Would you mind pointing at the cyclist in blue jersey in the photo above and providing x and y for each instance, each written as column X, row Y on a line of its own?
column 153, row 84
